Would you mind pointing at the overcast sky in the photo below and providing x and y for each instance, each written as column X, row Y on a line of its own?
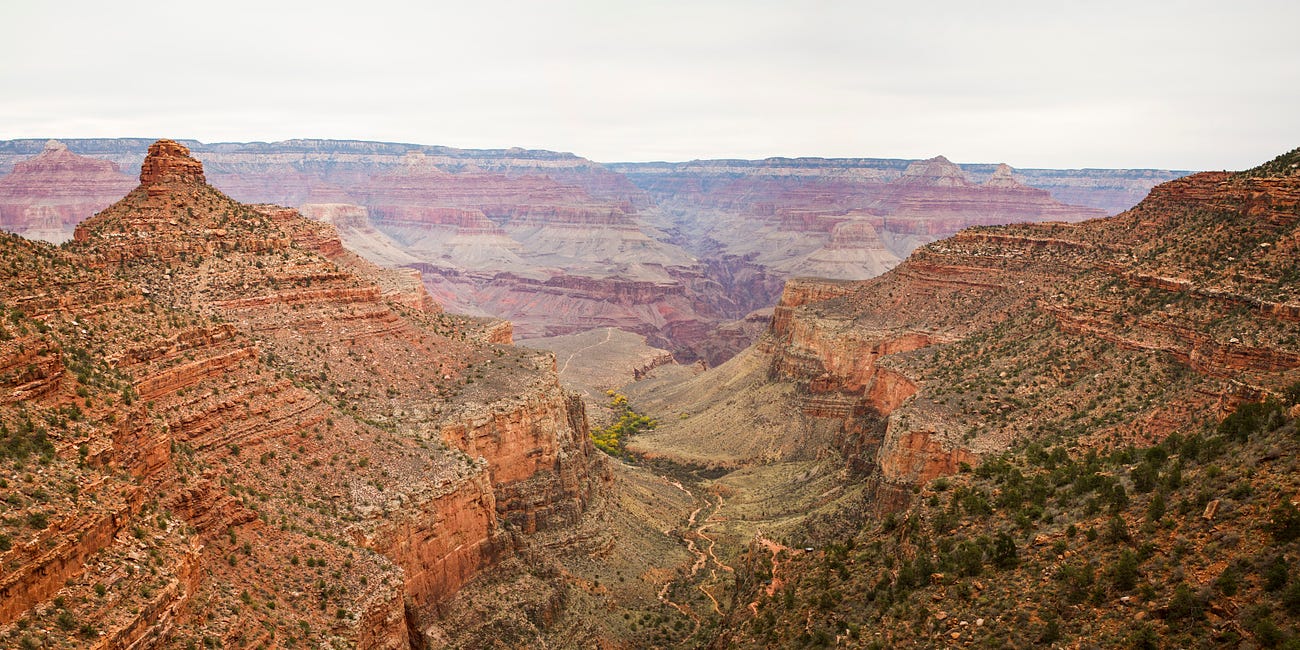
column 1188, row 85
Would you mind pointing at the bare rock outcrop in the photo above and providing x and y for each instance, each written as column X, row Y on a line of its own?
column 239, row 403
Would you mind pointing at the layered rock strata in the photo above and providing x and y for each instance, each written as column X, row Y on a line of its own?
column 552, row 241
column 1107, row 331
column 46, row 196
column 284, row 441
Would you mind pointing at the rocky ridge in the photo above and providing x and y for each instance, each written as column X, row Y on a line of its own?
column 244, row 433
column 1097, row 337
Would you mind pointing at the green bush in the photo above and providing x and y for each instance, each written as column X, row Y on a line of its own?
column 1291, row 395
column 26, row 440
column 1186, row 605
column 1284, row 523
column 1250, row 419
column 1004, row 554
column 1125, row 572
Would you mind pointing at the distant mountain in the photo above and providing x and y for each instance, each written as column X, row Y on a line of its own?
column 46, row 196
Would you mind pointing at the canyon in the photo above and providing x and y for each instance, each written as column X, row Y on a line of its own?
column 229, row 424
column 681, row 253
column 998, row 334
column 46, row 196
column 1099, row 337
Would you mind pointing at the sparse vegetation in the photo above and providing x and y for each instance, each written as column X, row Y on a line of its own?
column 986, row 566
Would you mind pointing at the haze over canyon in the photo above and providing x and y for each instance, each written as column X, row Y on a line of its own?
column 679, row 252
column 333, row 394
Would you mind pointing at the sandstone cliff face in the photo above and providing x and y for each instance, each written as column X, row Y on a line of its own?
column 1105, row 331
column 243, row 404
column 998, row 334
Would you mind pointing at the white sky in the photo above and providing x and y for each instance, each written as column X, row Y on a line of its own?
column 1187, row 85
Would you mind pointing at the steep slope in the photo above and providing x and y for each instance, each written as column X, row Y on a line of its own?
column 1093, row 337
column 1187, row 543
column 45, row 197
column 218, row 394
column 1199, row 275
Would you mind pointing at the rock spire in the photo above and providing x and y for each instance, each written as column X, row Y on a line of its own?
column 168, row 159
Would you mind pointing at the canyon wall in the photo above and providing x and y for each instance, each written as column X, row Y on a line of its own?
column 46, row 196
column 1204, row 305
column 1106, row 331
column 237, row 417
column 554, row 242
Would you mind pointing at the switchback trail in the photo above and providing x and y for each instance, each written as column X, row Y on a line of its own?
column 701, row 547
column 775, row 548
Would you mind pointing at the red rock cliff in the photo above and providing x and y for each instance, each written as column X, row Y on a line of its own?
column 243, row 374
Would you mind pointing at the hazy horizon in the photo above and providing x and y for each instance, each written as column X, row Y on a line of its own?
column 1197, row 85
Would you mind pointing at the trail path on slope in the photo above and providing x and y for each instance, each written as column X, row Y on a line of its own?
column 690, row 546
column 774, row 548
column 718, row 564
column 704, row 556
column 609, row 334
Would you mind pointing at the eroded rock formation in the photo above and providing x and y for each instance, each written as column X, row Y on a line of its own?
column 1112, row 329
column 247, row 434
column 554, row 242
column 46, row 196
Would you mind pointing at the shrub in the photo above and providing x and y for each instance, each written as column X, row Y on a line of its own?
column 1004, row 554
column 1125, row 572
column 1156, row 509
column 1117, row 530
column 1143, row 638
column 1051, row 632
column 1284, row 523
column 1275, row 573
column 1251, row 418
column 1185, row 605
column 1291, row 395
column 1229, row 581
column 969, row 558
column 1291, row 598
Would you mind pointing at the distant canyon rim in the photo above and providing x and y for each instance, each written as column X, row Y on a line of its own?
column 689, row 255
column 226, row 424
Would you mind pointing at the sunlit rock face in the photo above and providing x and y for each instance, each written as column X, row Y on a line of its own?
column 244, row 403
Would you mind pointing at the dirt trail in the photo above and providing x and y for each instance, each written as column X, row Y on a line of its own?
column 690, row 546
column 704, row 556
column 713, row 519
column 774, row 548
column 609, row 333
